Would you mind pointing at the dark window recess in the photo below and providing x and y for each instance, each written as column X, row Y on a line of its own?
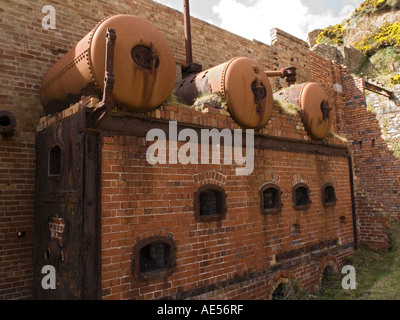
column 328, row 278
column 4, row 121
column 55, row 157
column 210, row 203
column 270, row 197
column 280, row 292
column 287, row 290
column 301, row 197
column 155, row 257
column 328, row 195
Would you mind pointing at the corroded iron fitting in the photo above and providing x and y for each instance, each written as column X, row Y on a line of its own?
column 8, row 122
column 288, row 73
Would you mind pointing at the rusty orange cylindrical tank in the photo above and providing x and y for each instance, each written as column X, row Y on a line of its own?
column 242, row 83
column 144, row 66
column 315, row 107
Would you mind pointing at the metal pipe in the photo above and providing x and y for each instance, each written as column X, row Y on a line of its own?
column 277, row 73
column 188, row 33
column 288, row 73
column 353, row 201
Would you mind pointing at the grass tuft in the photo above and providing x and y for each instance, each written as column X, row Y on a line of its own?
column 212, row 100
column 286, row 107
column 175, row 101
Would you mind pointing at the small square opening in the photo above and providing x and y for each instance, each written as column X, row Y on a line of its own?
column 270, row 199
column 154, row 257
column 210, row 203
column 328, row 195
column 301, row 197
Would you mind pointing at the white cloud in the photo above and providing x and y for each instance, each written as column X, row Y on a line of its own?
column 346, row 11
column 256, row 21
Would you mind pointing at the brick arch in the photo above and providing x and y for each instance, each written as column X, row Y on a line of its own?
column 209, row 177
column 328, row 261
column 269, row 177
column 299, row 178
column 153, row 233
column 277, row 279
column 328, row 179
column 146, row 238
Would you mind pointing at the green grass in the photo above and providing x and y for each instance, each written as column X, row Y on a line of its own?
column 378, row 274
column 382, row 66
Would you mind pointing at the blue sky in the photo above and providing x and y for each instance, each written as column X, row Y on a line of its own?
column 253, row 19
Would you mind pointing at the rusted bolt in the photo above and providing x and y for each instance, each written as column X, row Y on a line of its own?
column 8, row 123
column 256, row 69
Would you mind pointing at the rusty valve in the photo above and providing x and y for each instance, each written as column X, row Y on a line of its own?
column 288, row 73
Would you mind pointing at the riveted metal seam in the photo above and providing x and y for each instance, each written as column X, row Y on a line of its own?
column 223, row 77
column 88, row 57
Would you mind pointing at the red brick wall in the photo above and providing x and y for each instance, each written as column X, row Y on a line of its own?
column 240, row 255
column 377, row 170
column 17, row 186
column 57, row 226
column 27, row 52
column 375, row 167
column 289, row 51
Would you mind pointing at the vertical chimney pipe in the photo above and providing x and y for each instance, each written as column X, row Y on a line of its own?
column 188, row 33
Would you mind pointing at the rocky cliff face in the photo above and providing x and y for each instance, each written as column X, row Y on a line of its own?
column 374, row 29
column 339, row 42
column 368, row 24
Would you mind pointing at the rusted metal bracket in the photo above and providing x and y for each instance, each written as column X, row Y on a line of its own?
column 109, row 79
column 288, row 73
column 107, row 103
column 379, row 90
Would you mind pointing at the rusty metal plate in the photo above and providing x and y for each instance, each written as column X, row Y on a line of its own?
column 71, row 194
column 144, row 66
column 248, row 92
column 316, row 109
